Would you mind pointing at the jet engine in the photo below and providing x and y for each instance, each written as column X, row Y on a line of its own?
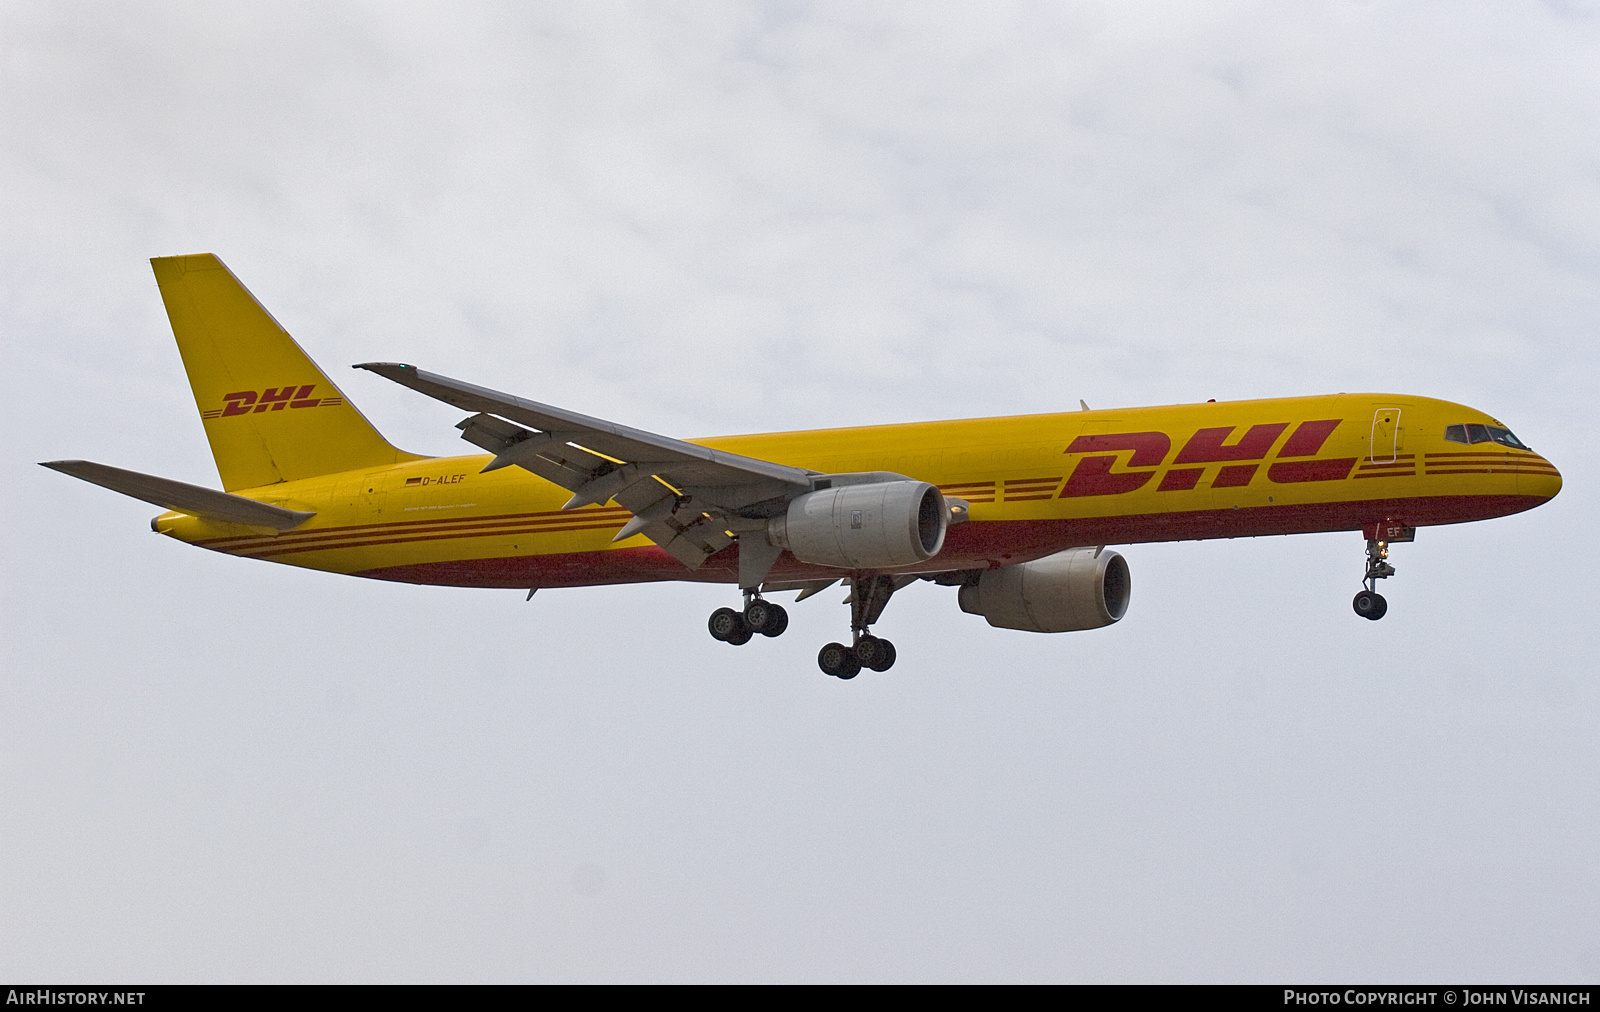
column 876, row 525
column 1081, row 588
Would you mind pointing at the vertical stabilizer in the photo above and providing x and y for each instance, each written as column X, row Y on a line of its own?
column 271, row 415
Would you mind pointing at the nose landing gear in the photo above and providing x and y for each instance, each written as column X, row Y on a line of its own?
column 1370, row 604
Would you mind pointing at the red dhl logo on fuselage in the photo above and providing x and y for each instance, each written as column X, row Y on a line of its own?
column 1094, row 474
column 244, row 402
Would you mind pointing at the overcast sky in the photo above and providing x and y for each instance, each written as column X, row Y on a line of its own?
column 716, row 218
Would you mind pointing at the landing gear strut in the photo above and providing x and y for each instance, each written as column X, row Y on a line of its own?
column 1369, row 603
column 868, row 596
column 759, row 616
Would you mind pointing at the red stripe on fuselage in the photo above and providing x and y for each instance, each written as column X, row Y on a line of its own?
column 416, row 522
column 972, row 545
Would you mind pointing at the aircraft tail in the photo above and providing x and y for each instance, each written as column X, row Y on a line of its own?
column 270, row 414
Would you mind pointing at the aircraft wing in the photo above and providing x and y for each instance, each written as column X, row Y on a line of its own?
column 183, row 497
column 686, row 498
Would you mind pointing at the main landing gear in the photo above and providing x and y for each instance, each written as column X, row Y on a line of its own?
column 868, row 596
column 870, row 651
column 759, row 616
column 1369, row 603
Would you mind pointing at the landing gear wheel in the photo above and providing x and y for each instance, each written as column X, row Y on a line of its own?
column 756, row 613
column 777, row 623
column 874, row 653
column 866, row 650
column 728, row 625
column 1369, row 604
column 766, row 618
column 885, row 659
column 838, row 660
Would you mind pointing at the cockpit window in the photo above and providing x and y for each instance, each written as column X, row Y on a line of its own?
column 1505, row 438
column 1483, row 434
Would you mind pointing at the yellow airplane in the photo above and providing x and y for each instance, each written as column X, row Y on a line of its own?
column 1014, row 512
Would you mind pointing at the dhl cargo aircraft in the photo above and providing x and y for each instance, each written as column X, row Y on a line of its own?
column 1014, row 512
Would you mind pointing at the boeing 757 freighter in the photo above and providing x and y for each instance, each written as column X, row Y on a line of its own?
column 1014, row 513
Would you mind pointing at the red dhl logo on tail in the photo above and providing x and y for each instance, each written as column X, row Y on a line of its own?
column 244, row 402
column 1094, row 475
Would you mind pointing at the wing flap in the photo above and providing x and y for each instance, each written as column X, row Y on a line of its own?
column 660, row 514
column 546, row 455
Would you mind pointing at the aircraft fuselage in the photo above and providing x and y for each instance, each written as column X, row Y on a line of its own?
column 1037, row 484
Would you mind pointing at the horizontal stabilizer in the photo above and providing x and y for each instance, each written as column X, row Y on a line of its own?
column 182, row 497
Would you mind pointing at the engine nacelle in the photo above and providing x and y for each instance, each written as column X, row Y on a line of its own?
column 877, row 525
column 1076, row 589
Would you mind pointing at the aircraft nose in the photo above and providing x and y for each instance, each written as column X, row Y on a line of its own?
column 1539, row 478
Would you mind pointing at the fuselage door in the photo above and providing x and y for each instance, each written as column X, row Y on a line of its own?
column 374, row 491
column 1385, row 435
column 363, row 495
